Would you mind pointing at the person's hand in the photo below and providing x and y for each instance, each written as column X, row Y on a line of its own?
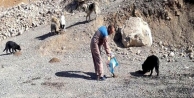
column 112, row 55
column 109, row 58
column 107, row 63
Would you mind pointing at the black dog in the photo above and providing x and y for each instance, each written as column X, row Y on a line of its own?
column 150, row 63
column 11, row 45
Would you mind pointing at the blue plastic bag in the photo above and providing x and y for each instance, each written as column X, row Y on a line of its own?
column 113, row 63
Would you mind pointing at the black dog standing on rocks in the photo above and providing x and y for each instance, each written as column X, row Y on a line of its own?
column 150, row 63
column 11, row 45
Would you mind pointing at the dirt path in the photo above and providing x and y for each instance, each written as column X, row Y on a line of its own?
column 30, row 75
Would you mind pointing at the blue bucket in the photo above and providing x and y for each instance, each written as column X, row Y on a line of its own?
column 113, row 63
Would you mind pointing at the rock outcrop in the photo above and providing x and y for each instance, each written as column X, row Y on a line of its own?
column 136, row 32
column 18, row 19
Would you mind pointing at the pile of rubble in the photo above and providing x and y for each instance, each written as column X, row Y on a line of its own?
column 18, row 19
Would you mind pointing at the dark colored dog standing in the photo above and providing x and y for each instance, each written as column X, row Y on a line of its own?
column 10, row 45
column 150, row 63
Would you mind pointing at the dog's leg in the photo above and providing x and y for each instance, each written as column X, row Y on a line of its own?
column 6, row 50
column 151, row 72
column 157, row 70
column 89, row 17
column 86, row 17
column 55, row 31
column 10, row 50
column 95, row 11
column 13, row 50
column 60, row 26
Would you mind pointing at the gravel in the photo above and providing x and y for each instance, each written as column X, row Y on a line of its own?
column 30, row 75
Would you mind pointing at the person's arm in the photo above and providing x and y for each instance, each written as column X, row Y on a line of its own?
column 106, row 46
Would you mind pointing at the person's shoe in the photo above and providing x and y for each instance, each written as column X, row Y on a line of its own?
column 102, row 78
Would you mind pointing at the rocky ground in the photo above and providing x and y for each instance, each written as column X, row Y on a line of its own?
column 31, row 74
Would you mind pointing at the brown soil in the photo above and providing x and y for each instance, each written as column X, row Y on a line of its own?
column 17, row 53
column 53, row 60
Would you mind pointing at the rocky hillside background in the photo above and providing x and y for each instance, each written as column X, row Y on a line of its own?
column 171, row 21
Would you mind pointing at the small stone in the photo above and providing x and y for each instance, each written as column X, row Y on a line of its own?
column 182, row 55
column 160, row 43
column 165, row 48
column 63, row 48
column 168, row 18
column 122, row 53
column 189, row 50
column 173, row 49
column 116, row 49
column 138, row 52
column 191, row 56
column 177, row 13
column 171, row 54
column 170, row 60
column 165, row 55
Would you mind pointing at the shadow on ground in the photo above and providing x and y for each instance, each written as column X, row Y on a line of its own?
column 78, row 23
column 6, row 54
column 137, row 73
column 76, row 74
column 43, row 37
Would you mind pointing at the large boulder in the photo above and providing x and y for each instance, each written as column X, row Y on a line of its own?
column 136, row 32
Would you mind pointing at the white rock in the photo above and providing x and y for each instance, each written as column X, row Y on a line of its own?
column 191, row 56
column 136, row 32
column 138, row 52
column 171, row 54
column 160, row 43
column 165, row 48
